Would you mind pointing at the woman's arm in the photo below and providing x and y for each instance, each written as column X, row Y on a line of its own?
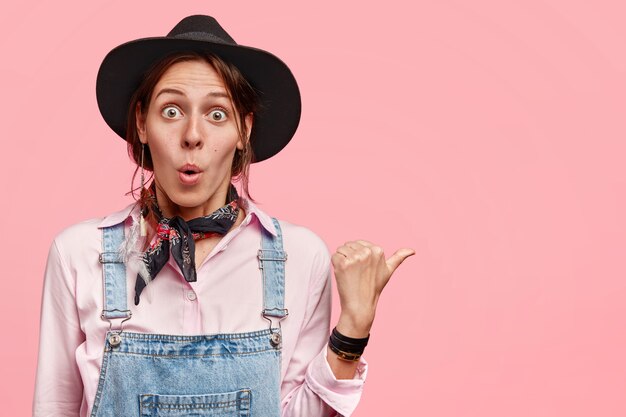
column 317, row 382
column 362, row 272
column 58, row 386
column 309, row 387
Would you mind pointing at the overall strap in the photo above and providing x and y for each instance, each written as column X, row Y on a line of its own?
column 272, row 259
column 114, row 274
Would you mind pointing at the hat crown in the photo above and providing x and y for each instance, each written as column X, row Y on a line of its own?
column 202, row 28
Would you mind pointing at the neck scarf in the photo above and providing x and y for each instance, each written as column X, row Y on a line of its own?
column 176, row 236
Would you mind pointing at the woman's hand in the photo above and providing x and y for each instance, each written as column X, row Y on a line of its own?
column 362, row 272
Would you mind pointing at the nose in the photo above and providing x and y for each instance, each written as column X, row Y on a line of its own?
column 192, row 136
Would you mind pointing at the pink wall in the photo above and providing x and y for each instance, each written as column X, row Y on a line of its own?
column 489, row 137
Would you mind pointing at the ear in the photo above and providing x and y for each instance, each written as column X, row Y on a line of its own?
column 248, row 122
column 140, row 122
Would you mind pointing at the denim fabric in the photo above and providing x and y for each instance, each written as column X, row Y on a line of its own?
column 272, row 264
column 234, row 374
column 114, row 270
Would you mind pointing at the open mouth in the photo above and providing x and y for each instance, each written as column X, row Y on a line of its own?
column 189, row 174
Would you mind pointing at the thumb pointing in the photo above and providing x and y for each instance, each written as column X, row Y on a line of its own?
column 398, row 257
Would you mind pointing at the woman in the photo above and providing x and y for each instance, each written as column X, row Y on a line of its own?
column 193, row 301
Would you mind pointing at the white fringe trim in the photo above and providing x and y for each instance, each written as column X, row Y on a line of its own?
column 129, row 250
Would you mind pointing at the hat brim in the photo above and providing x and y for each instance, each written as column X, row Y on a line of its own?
column 123, row 69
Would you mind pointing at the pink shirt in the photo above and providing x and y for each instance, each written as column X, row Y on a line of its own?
column 226, row 298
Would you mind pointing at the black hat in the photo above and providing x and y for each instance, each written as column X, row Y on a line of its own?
column 123, row 68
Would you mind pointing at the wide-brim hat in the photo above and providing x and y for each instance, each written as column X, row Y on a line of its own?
column 123, row 69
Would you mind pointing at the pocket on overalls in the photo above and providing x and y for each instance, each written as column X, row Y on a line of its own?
column 227, row 404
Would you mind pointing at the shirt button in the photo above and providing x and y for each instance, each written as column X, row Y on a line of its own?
column 191, row 296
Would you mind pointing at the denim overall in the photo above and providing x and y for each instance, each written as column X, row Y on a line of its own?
column 157, row 375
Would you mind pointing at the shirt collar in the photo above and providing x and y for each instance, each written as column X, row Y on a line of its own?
column 132, row 211
column 264, row 218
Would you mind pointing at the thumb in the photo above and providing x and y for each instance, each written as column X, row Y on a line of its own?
column 398, row 257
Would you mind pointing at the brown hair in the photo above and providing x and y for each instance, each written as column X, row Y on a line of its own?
column 242, row 95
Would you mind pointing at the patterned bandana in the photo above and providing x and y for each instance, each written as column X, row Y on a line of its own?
column 177, row 236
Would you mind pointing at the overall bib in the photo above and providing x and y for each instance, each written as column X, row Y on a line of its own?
column 158, row 375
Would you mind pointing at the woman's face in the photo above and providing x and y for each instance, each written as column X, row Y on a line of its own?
column 191, row 130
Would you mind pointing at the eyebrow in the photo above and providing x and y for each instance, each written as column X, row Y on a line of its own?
column 180, row 93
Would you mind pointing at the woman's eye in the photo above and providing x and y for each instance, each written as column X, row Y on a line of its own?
column 171, row 112
column 217, row 115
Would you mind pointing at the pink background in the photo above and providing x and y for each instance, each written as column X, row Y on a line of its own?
column 486, row 135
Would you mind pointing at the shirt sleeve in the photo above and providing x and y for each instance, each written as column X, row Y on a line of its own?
column 310, row 385
column 58, row 385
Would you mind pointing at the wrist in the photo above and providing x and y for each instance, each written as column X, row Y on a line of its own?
column 354, row 327
column 347, row 348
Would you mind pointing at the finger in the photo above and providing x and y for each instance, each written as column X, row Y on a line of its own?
column 345, row 250
column 355, row 246
column 398, row 257
column 376, row 250
column 337, row 259
column 366, row 253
